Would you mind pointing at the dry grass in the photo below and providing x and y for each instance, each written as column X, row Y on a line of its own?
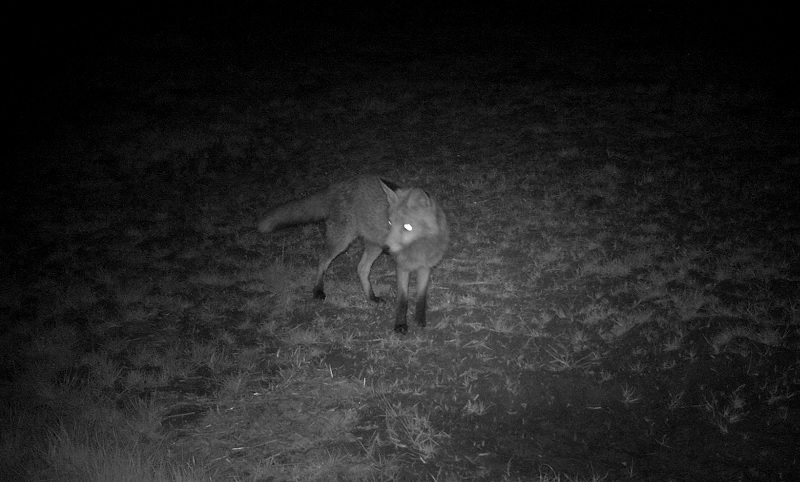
column 606, row 282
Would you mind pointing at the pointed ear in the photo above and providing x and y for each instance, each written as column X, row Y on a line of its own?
column 390, row 194
column 419, row 198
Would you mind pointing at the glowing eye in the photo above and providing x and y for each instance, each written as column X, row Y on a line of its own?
column 408, row 227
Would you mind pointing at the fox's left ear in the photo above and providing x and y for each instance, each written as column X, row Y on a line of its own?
column 390, row 194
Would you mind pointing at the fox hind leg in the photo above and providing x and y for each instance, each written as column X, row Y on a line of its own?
column 334, row 247
column 371, row 253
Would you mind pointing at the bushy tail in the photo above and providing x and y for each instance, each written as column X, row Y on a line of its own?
column 306, row 210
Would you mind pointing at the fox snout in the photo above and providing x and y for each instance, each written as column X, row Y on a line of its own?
column 394, row 243
column 391, row 248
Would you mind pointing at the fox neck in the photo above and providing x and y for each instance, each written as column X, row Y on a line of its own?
column 421, row 253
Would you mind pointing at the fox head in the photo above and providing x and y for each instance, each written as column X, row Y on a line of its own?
column 412, row 216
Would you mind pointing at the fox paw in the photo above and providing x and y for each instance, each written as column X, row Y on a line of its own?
column 401, row 329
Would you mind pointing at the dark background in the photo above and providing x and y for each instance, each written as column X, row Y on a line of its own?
column 55, row 43
column 66, row 60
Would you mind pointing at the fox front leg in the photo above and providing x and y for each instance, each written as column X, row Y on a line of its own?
column 423, row 276
column 400, row 325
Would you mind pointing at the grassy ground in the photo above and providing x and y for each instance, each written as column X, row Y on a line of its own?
column 620, row 301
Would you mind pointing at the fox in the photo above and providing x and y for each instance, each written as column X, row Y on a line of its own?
column 406, row 223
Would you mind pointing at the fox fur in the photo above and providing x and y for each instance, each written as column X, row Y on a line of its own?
column 405, row 222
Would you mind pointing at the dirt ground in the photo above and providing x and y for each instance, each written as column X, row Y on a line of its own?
column 620, row 300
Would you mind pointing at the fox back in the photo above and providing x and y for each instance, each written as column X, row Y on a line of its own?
column 352, row 208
